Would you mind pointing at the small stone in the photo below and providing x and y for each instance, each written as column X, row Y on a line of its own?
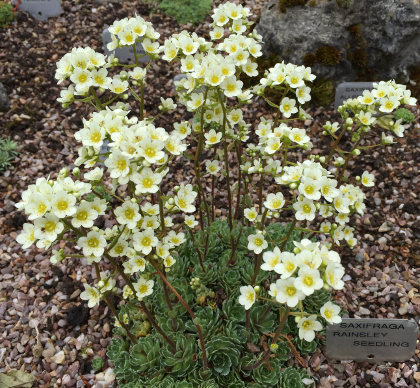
column 48, row 353
column 384, row 227
column 308, row 122
column 417, row 376
column 339, row 367
column 360, row 257
column 59, row 358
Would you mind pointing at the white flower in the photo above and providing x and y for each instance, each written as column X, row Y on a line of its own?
column 257, row 243
column 175, row 238
column 389, row 104
column 118, row 164
column 184, row 202
column 91, row 294
column 305, row 209
column 303, row 94
column 190, row 221
column 214, row 76
column 212, row 137
column 366, row 118
column 308, row 259
column 287, row 266
column 334, row 272
column 119, row 249
column 148, row 181
column 330, row 312
column 367, row 98
column 48, row 227
column 251, row 214
column 92, row 244
column 150, row 222
column 128, row 214
column 213, row 167
column 307, row 327
column 217, row 33
column 271, row 259
column 220, row 17
column 248, row 296
column 26, row 238
column 118, row 86
column 99, row 205
column 231, row 86
column 151, row 150
column 288, row 293
column 273, row 290
column 138, row 264
column 299, row 136
column 308, row 280
column 367, row 179
column 143, row 288
column 287, row 107
column 37, row 206
column 95, row 174
column 197, row 99
column 250, row 68
column 295, row 79
column 144, row 241
column 306, row 244
column 328, row 188
column 188, row 46
column 274, row 201
column 342, row 204
column 169, row 261
column 137, row 73
column 168, row 103
column 84, row 216
column 310, row 188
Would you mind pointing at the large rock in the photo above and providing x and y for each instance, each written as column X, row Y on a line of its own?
column 4, row 99
column 378, row 40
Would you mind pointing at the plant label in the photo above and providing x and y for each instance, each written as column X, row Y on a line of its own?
column 41, row 9
column 348, row 90
column 126, row 53
column 372, row 340
column 103, row 150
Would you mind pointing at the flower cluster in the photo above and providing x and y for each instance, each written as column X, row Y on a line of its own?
column 145, row 244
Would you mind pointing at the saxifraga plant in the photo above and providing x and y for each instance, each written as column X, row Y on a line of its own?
column 209, row 302
column 8, row 151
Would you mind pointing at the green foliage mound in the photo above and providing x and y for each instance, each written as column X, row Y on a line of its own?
column 186, row 11
column 229, row 347
column 6, row 14
column 404, row 114
column 8, row 151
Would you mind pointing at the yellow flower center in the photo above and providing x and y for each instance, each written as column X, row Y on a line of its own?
column 250, row 297
column 389, row 105
column 214, row 79
column 147, row 183
column 307, row 325
column 83, row 78
column 82, row 216
column 150, row 152
column 213, row 139
column 309, row 189
column 306, row 208
column 49, row 226
column 93, row 242
column 143, row 289
column 122, row 164
column 276, row 203
column 328, row 313
column 290, row 266
column 62, row 205
column 287, row 108
column 119, row 249
column 182, row 203
column 129, row 214
column 42, row 208
column 290, row 291
column 146, row 241
column 258, row 241
column 308, row 280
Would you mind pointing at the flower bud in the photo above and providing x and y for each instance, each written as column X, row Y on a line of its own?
column 160, row 107
column 260, row 170
column 95, row 228
column 133, row 200
column 137, row 192
column 257, row 289
column 296, row 250
column 155, row 257
column 356, row 152
column 358, row 178
column 125, row 96
column 293, row 185
column 317, row 206
column 76, row 172
column 176, row 189
column 171, row 201
column 297, row 318
column 135, row 83
column 101, row 90
column 324, row 133
column 349, row 122
column 276, row 215
column 326, row 287
column 322, row 159
column 101, row 283
column 334, row 226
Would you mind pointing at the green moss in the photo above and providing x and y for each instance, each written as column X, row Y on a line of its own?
column 322, row 92
column 309, row 60
column 404, row 114
column 328, row 55
column 186, row 11
column 344, row 3
column 359, row 58
column 6, row 14
column 354, row 30
column 312, row 3
column 284, row 4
